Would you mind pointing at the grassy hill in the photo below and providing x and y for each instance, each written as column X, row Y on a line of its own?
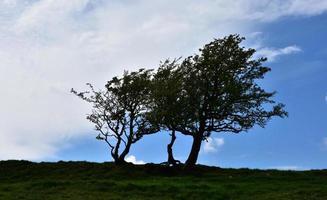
column 83, row 180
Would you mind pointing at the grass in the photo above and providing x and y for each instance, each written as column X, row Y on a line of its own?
column 25, row 180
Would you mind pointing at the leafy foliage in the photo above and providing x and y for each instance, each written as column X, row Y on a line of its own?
column 221, row 90
column 167, row 107
column 120, row 111
column 214, row 91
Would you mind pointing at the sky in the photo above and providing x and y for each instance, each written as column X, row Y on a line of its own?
column 49, row 46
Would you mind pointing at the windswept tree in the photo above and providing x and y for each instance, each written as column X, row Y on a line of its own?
column 120, row 111
column 166, row 102
column 220, row 93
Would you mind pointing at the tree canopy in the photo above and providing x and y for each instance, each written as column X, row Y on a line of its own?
column 222, row 94
column 166, row 109
column 120, row 111
column 214, row 91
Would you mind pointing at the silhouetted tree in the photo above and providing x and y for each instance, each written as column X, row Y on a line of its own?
column 220, row 94
column 166, row 105
column 215, row 91
column 120, row 111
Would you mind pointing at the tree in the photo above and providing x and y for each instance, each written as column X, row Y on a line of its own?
column 120, row 111
column 220, row 90
column 165, row 97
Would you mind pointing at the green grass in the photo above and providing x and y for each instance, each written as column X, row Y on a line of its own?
column 82, row 180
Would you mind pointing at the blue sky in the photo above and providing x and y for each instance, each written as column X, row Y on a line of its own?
column 47, row 47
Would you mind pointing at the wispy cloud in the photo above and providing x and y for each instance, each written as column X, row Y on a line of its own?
column 272, row 53
column 133, row 160
column 47, row 47
column 326, row 97
column 287, row 167
column 212, row 145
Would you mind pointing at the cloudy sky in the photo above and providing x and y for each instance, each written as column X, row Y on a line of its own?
column 50, row 46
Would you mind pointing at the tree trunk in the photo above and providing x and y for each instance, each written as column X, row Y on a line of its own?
column 129, row 141
column 120, row 161
column 117, row 159
column 193, row 156
column 125, row 152
column 171, row 160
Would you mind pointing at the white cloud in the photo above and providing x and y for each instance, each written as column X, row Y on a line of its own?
column 256, row 41
column 287, row 167
column 213, row 144
column 49, row 46
column 261, row 10
column 326, row 98
column 273, row 53
column 133, row 160
column 47, row 15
